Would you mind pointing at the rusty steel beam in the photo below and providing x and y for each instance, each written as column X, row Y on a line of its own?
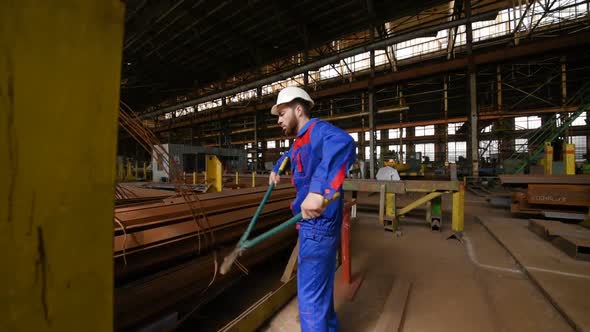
column 545, row 179
column 559, row 194
column 493, row 56
column 164, row 256
column 171, row 289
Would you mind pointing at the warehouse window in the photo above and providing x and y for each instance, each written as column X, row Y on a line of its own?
column 424, row 130
column 487, row 129
column 377, row 135
column 488, row 149
column 394, row 133
column 452, row 128
column 286, row 143
column 209, row 104
column 521, row 145
column 456, row 150
column 580, row 146
column 527, row 122
column 427, row 150
column 368, row 152
column 579, row 121
column 395, row 147
column 271, row 144
column 355, row 136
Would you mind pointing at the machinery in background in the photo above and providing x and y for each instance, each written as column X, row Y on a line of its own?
column 413, row 167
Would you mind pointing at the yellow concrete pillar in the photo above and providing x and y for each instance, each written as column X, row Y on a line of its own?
column 60, row 65
column 214, row 173
column 458, row 212
column 548, row 160
column 569, row 159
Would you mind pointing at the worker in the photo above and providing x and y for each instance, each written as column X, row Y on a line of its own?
column 319, row 157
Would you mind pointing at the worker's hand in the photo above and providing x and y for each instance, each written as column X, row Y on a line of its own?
column 312, row 206
column 274, row 178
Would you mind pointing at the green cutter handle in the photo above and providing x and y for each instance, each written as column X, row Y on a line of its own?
column 262, row 204
column 247, row 244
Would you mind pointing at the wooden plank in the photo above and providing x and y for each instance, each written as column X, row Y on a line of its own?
column 395, row 306
column 261, row 311
column 291, row 264
column 578, row 248
column 554, row 228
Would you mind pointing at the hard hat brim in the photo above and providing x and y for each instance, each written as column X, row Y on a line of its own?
column 274, row 110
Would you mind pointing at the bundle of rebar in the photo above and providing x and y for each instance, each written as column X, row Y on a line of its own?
column 164, row 259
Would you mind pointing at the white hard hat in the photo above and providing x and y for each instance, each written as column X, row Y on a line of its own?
column 287, row 95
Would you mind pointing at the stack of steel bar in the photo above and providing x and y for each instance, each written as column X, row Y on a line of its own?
column 166, row 254
column 552, row 196
column 131, row 193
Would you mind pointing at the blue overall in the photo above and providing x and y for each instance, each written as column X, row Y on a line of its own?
column 320, row 157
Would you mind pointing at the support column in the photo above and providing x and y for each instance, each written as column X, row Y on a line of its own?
column 410, row 134
column 505, row 125
column 372, row 111
column 306, row 73
column 445, row 147
column 60, row 275
column 372, row 133
column 568, row 131
column 473, row 139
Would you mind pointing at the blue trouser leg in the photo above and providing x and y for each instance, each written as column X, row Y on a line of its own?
column 315, row 281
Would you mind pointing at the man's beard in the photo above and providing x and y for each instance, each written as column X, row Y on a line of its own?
column 290, row 130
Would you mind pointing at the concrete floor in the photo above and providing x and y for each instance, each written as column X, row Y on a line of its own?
column 469, row 286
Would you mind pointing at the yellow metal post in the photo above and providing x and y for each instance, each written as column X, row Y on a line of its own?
column 237, row 178
column 569, row 159
column 390, row 204
column 548, row 160
column 56, row 234
column 195, row 177
column 205, row 177
column 382, row 204
column 253, row 179
column 419, row 202
column 458, row 209
column 214, row 173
